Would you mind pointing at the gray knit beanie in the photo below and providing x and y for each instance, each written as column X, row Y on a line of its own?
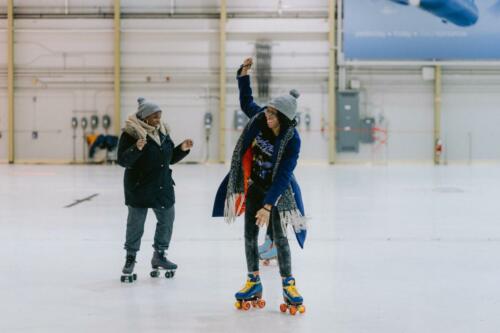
column 146, row 108
column 286, row 104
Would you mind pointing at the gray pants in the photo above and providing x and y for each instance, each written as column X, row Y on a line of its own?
column 254, row 202
column 135, row 228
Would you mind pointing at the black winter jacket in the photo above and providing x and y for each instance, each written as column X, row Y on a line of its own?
column 148, row 179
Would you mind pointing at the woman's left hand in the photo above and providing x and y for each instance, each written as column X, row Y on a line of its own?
column 186, row 144
column 262, row 217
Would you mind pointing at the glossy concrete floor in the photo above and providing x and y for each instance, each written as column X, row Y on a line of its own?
column 390, row 249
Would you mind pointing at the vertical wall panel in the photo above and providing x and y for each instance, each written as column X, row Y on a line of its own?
column 3, row 86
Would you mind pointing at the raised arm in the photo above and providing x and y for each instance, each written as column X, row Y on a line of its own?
column 248, row 106
column 181, row 151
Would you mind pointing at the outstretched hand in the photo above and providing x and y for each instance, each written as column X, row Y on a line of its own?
column 186, row 144
column 262, row 217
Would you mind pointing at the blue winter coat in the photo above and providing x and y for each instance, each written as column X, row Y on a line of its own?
column 284, row 176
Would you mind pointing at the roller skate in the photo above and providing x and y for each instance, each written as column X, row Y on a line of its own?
column 266, row 246
column 292, row 298
column 269, row 255
column 250, row 295
column 128, row 274
column 160, row 262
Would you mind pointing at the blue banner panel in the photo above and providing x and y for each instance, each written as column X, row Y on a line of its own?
column 421, row 30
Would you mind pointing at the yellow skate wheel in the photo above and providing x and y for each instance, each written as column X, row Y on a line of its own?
column 293, row 310
column 237, row 304
column 283, row 307
column 261, row 303
column 246, row 306
column 302, row 309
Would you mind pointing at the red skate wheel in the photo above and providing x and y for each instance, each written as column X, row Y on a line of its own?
column 246, row 306
column 261, row 303
column 283, row 307
column 293, row 310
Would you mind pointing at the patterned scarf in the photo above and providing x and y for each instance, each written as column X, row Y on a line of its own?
column 235, row 197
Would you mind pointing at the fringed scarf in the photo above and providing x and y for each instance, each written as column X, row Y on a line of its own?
column 140, row 130
column 234, row 204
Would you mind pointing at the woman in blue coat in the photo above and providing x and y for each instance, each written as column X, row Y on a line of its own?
column 262, row 185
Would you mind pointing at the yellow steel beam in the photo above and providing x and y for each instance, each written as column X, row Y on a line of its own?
column 332, row 100
column 222, row 81
column 437, row 113
column 117, row 68
column 10, row 80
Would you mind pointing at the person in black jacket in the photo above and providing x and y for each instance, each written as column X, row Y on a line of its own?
column 146, row 151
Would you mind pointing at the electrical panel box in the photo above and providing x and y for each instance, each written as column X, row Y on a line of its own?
column 347, row 121
column 366, row 125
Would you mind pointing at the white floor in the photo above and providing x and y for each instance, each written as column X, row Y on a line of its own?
column 390, row 249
